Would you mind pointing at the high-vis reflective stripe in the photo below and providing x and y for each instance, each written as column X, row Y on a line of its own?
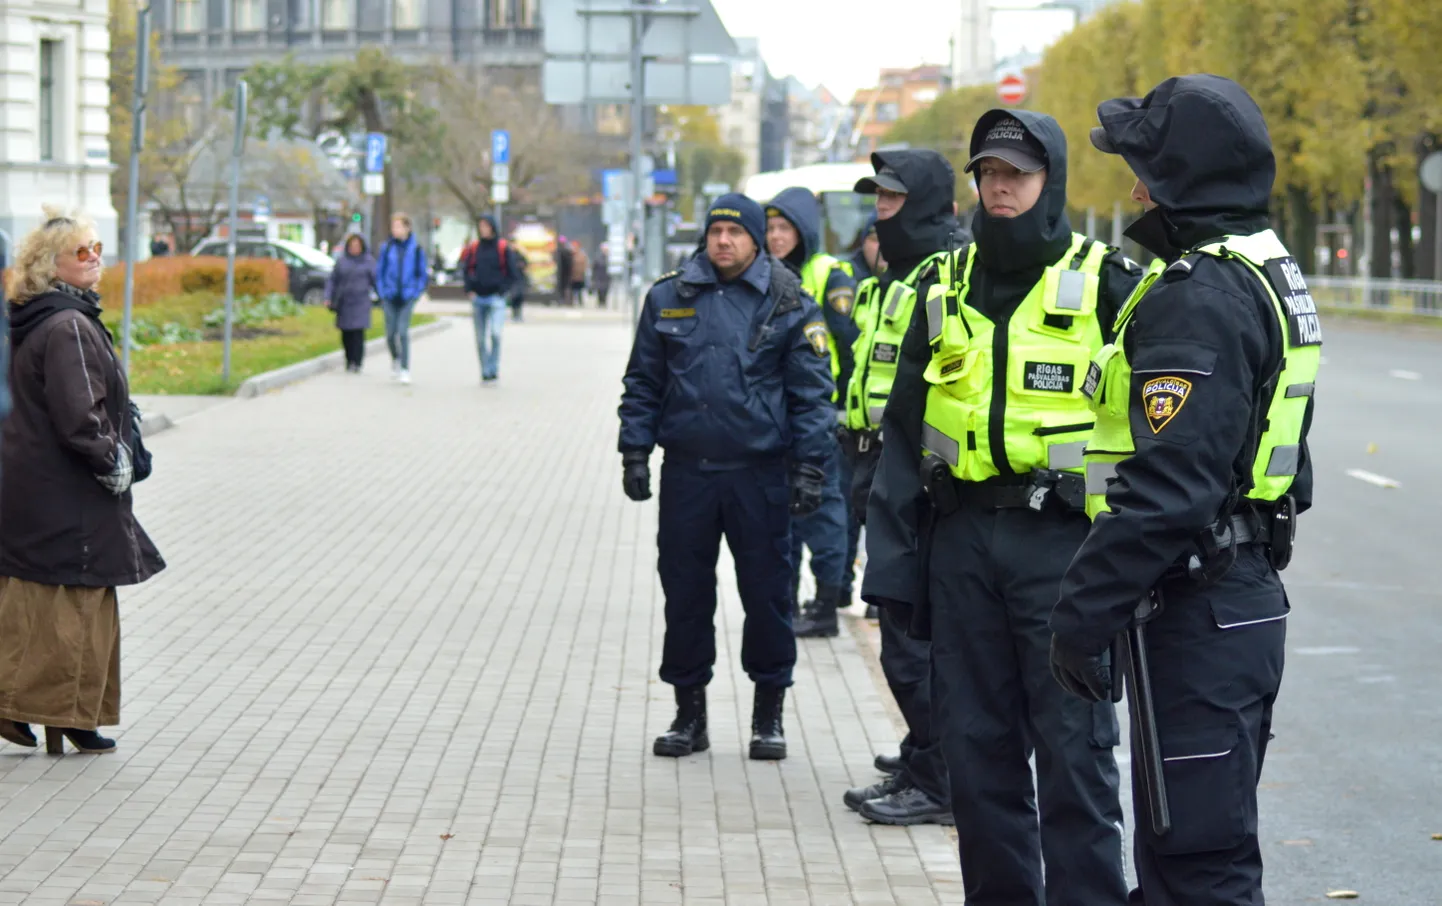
column 874, row 413
column 894, row 295
column 1302, row 389
column 1284, row 459
column 1065, row 456
column 1099, row 475
column 934, row 301
column 1071, row 290
column 940, row 444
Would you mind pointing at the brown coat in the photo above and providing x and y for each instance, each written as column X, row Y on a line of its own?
column 58, row 525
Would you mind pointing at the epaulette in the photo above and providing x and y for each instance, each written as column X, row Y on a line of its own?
column 669, row 276
column 1182, row 267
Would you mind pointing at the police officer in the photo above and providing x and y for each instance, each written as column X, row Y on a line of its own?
column 866, row 260
column 729, row 375
column 793, row 234
column 916, row 226
column 977, row 509
column 1195, row 473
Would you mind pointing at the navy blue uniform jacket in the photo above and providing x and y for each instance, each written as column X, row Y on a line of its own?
column 725, row 375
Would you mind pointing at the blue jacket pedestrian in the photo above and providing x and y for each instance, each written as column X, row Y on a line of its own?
column 403, row 272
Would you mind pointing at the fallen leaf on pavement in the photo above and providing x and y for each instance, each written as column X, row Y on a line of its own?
column 1302, row 842
column 1342, row 894
column 1437, row 836
column 447, row 836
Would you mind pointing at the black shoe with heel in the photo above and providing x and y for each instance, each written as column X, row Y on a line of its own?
column 13, row 731
column 87, row 741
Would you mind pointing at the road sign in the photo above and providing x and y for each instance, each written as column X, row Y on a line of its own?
column 500, row 192
column 715, row 188
column 664, row 177
column 375, row 152
column 1011, row 89
column 1431, row 172
column 373, row 184
column 260, row 211
column 500, row 172
column 500, row 146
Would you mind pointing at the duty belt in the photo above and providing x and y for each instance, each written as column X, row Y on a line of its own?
column 1031, row 491
column 859, row 441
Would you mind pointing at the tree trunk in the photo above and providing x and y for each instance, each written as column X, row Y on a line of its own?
column 1382, row 210
column 1405, row 249
column 1429, row 265
column 1302, row 219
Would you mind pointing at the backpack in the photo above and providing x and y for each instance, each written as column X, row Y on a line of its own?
column 468, row 257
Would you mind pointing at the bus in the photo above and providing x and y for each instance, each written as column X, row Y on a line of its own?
column 843, row 211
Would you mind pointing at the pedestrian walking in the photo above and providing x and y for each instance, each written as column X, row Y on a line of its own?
column 348, row 294
column 580, row 269
column 976, row 509
column 491, row 268
column 564, row 259
column 743, row 438
column 68, row 536
column 601, row 276
column 402, row 275
column 1195, row 476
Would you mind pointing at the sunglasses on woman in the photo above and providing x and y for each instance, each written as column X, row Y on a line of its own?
column 86, row 252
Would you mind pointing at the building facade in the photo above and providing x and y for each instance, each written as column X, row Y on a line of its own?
column 211, row 42
column 54, row 114
column 898, row 94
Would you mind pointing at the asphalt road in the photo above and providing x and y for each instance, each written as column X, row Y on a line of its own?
column 1352, row 787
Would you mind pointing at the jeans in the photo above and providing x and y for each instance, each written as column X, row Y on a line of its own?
column 398, row 329
column 489, row 314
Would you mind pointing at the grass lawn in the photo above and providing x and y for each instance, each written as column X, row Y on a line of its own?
column 194, row 368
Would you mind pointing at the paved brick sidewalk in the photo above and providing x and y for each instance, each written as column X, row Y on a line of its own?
column 406, row 653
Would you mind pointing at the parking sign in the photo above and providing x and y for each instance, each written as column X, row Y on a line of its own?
column 375, row 152
column 500, row 146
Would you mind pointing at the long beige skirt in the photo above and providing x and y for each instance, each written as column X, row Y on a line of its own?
column 59, row 655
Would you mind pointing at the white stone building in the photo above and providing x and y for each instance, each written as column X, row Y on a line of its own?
column 54, row 113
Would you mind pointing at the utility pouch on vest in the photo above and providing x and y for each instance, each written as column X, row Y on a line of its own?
column 936, row 480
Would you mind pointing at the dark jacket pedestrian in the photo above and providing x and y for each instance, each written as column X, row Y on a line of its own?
column 601, row 277
column 564, row 259
column 68, row 535
column 348, row 294
column 490, row 266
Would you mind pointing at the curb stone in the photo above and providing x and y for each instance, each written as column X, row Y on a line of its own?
column 290, row 374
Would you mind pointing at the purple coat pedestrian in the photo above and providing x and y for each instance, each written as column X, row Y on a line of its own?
column 348, row 291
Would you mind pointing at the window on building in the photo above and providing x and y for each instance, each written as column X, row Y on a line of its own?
column 188, row 15
column 247, row 15
column 336, row 14
column 887, row 112
column 49, row 98
column 500, row 15
column 407, row 14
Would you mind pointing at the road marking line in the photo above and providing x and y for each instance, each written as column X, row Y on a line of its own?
column 1380, row 481
column 1404, row 375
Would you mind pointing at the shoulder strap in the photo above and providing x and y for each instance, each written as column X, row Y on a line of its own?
column 501, row 246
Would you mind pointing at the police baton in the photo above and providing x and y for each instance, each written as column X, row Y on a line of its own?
column 1147, row 749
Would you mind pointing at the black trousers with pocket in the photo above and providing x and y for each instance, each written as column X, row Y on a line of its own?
column 993, row 581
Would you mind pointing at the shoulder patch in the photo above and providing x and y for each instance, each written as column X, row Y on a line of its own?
column 817, row 336
column 1181, row 268
column 842, row 299
column 1130, row 266
column 678, row 312
column 1163, row 398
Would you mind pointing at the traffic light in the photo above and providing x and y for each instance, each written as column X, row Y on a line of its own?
column 356, row 217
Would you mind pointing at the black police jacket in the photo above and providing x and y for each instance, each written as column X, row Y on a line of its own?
column 728, row 374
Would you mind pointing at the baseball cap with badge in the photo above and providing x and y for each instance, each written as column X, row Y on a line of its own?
column 1008, row 140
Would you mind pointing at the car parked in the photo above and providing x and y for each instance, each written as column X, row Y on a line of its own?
column 309, row 268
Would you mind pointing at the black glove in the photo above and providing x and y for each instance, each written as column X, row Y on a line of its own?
column 1087, row 676
column 636, row 474
column 806, row 484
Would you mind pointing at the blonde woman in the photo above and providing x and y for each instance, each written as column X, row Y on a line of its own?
column 68, row 536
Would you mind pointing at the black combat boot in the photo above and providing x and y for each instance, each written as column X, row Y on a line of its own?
column 688, row 730
column 907, row 805
column 768, row 740
column 818, row 617
column 855, row 798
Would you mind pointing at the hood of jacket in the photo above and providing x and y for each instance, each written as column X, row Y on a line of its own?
column 1200, row 145
column 799, row 206
column 495, row 230
column 24, row 318
column 927, row 221
column 1041, row 235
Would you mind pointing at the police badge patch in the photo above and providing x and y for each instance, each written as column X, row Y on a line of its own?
column 1163, row 398
column 817, row 336
column 841, row 299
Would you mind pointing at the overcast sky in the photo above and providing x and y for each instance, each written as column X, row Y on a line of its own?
column 842, row 43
